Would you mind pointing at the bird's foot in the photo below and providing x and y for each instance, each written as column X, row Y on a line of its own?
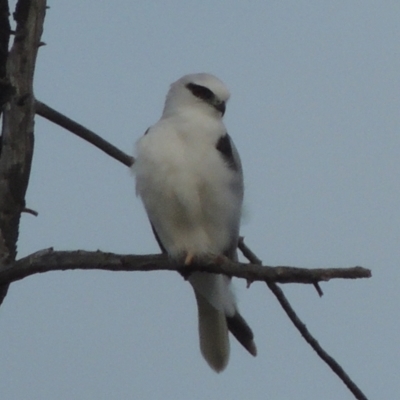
column 189, row 258
column 221, row 259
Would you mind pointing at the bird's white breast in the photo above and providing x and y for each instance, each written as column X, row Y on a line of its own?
column 186, row 186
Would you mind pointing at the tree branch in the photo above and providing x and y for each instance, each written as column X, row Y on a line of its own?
column 54, row 116
column 50, row 260
column 301, row 327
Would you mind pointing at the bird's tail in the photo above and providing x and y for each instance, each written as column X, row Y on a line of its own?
column 218, row 314
column 213, row 332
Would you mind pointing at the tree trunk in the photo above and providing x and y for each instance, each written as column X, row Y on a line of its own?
column 17, row 128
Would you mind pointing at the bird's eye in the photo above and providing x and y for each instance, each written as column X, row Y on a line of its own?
column 201, row 92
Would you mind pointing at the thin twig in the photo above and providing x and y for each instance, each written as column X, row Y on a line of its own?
column 318, row 289
column 54, row 116
column 30, row 211
column 301, row 327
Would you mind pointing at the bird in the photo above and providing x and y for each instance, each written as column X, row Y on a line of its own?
column 190, row 180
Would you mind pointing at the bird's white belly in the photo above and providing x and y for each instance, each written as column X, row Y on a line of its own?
column 188, row 198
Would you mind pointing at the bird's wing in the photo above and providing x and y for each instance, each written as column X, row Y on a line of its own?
column 229, row 153
column 163, row 250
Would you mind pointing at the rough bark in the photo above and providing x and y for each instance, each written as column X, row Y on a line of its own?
column 17, row 127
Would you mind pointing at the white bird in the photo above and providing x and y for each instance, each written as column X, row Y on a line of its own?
column 189, row 177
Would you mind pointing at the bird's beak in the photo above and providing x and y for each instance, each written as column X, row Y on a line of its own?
column 220, row 107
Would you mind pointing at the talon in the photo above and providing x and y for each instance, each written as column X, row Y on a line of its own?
column 189, row 258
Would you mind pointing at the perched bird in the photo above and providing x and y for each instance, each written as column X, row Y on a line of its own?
column 189, row 177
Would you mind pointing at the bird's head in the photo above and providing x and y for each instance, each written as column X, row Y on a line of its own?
column 200, row 91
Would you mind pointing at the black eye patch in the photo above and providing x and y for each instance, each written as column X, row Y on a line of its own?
column 201, row 92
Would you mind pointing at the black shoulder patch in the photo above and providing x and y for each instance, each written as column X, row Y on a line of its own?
column 147, row 130
column 225, row 148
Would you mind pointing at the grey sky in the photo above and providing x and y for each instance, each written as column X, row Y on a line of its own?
column 315, row 114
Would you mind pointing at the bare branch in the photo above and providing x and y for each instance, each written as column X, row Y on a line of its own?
column 30, row 211
column 301, row 327
column 54, row 116
column 318, row 289
column 50, row 260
